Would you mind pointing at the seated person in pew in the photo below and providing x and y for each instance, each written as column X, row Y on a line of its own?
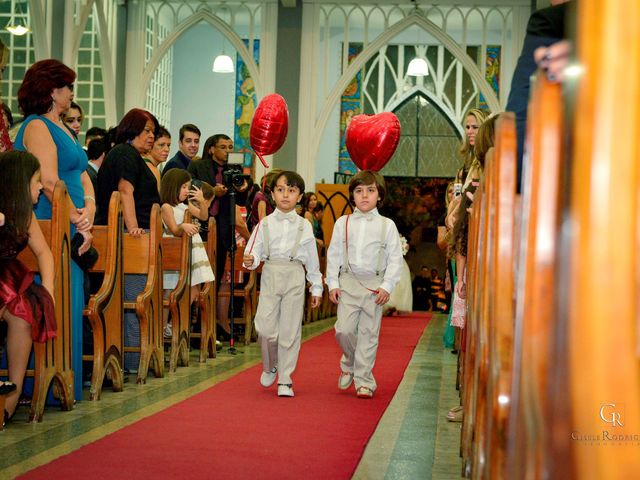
column 364, row 264
column 285, row 242
column 26, row 306
column 178, row 195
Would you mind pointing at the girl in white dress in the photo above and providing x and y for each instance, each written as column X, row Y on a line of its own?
column 175, row 190
column 401, row 298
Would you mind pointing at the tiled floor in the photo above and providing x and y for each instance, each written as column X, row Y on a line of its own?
column 412, row 441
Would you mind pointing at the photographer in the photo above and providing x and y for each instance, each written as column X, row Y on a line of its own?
column 214, row 169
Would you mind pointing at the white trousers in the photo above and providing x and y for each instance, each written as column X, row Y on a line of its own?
column 358, row 327
column 279, row 316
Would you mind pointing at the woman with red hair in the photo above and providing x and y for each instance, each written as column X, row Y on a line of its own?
column 45, row 94
column 124, row 170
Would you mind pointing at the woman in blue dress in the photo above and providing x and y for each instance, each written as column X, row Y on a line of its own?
column 45, row 94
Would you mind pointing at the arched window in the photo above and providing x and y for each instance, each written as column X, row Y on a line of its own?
column 428, row 142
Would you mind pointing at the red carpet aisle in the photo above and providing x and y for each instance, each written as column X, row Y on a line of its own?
column 237, row 429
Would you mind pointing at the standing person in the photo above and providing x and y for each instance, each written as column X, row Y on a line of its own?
column 73, row 118
column 444, row 233
column 363, row 266
column 96, row 151
column 93, row 133
column 422, row 290
column 26, row 306
column 124, row 171
column 285, row 242
column 159, row 153
column 262, row 203
column 188, row 146
column 309, row 204
column 545, row 27
column 318, row 213
column 210, row 168
column 401, row 299
column 45, row 94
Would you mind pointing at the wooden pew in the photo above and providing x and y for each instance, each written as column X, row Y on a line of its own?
column 535, row 320
column 602, row 315
column 501, row 163
column 207, row 301
column 489, row 330
column 105, row 308
column 247, row 293
column 176, row 256
column 473, row 354
column 143, row 255
column 53, row 359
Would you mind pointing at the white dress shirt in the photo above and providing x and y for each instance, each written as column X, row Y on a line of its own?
column 364, row 234
column 283, row 231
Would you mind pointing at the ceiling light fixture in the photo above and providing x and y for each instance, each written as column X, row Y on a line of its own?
column 418, row 67
column 223, row 64
column 19, row 28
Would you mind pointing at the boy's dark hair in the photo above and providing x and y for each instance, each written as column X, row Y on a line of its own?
column 293, row 180
column 368, row 177
column 97, row 147
column 188, row 127
column 319, row 207
column 94, row 132
column 171, row 183
column 15, row 202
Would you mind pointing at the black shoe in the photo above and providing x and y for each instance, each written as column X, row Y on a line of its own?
column 454, row 351
column 7, row 418
column 7, row 387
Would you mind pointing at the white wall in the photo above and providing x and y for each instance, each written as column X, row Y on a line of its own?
column 201, row 96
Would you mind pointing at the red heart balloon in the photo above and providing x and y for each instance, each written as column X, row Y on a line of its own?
column 372, row 140
column 269, row 126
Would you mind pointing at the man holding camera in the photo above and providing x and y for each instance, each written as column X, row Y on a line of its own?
column 214, row 169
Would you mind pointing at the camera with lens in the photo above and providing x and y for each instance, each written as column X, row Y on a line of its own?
column 232, row 178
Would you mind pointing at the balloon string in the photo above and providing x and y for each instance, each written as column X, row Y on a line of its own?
column 266, row 165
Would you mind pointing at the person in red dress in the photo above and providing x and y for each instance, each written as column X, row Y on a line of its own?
column 27, row 307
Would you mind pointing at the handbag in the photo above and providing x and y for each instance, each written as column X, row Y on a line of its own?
column 88, row 259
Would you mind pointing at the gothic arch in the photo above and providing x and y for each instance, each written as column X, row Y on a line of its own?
column 392, row 106
column 418, row 19
column 219, row 25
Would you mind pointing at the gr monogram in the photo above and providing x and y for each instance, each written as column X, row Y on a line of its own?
column 608, row 414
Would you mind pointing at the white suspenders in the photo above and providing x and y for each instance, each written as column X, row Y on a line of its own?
column 383, row 245
column 296, row 243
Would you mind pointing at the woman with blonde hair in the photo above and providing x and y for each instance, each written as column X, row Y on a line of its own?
column 472, row 121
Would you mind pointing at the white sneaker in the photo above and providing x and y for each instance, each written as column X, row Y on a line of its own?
column 267, row 378
column 345, row 380
column 285, row 390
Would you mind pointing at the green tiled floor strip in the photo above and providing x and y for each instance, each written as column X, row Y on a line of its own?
column 413, row 439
